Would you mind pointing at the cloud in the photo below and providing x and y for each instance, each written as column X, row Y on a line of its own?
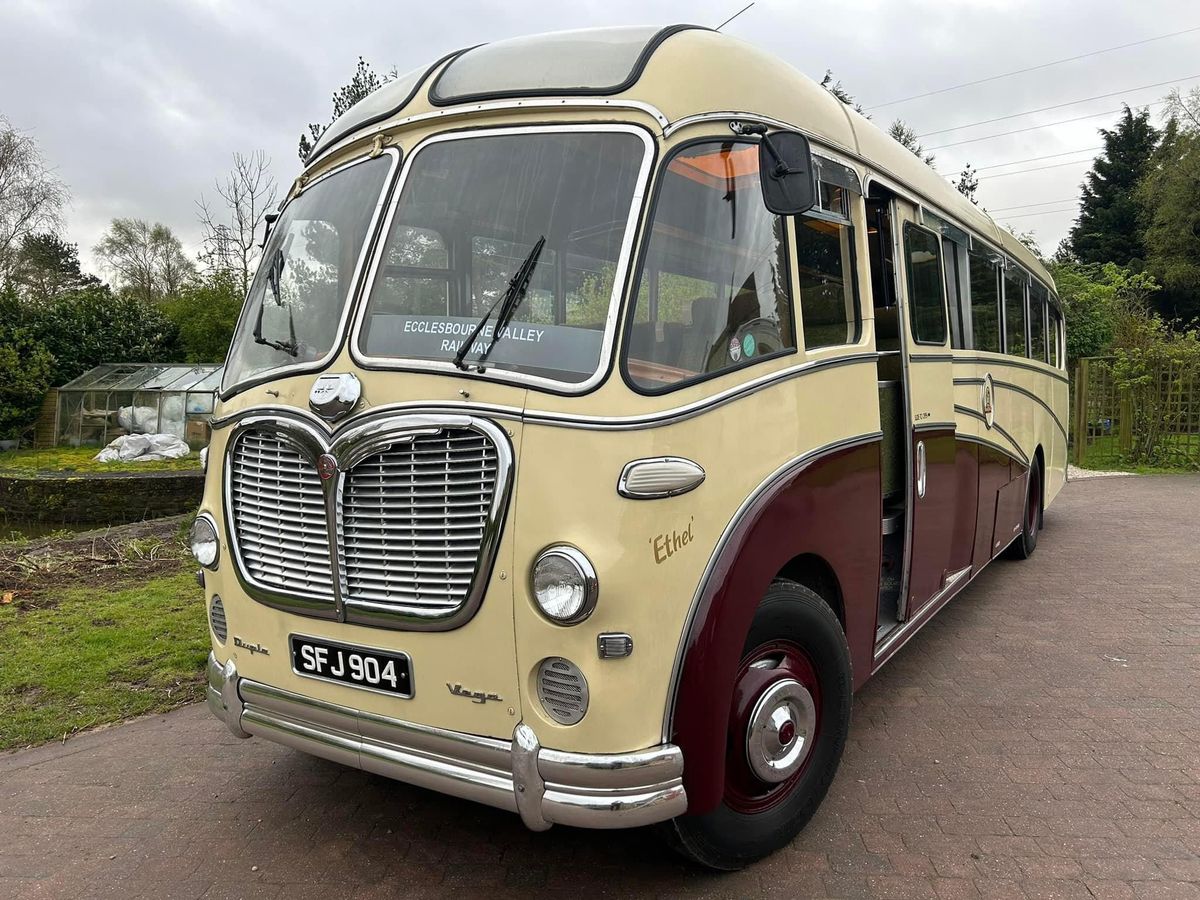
column 141, row 104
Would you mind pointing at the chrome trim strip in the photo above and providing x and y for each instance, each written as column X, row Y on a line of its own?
column 934, row 426
column 931, row 357
column 967, row 411
column 624, row 260
column 888, row 646
column 349, row 445
column 1003, row 359
column 784, row 471
column 352, row 287
column 456, row 112
column 1019, row 390
column 984, row 442
column 727, row 115
column 694, row 479
column 542, row 417
column 619, row 790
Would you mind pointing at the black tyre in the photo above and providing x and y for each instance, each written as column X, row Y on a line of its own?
column 786, row 732
column 1024, row 544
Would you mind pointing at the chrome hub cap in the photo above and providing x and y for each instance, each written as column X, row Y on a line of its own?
column 780, row 731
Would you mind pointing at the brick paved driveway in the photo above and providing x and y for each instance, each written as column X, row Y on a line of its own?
column 1040, row 739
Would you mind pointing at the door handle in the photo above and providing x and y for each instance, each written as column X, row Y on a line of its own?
column 920, row 469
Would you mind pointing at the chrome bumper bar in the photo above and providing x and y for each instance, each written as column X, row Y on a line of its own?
column 545, row 787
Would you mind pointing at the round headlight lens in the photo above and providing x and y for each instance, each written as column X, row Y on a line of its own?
column 203, row 541
column 564, row 584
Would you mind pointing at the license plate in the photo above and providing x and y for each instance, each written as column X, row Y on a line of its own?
column 361, row 667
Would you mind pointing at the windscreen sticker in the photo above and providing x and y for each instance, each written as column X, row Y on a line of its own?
column 735, row 349
column 561, row 348
column 748, row 345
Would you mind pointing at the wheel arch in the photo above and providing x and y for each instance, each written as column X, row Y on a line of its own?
column 816, row 521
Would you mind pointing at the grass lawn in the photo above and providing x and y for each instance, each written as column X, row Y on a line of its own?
column 79, row 459
column 96, row 633
column 1104, row 454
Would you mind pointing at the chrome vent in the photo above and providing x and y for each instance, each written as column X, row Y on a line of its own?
column 562, row 689
column 414, row 518
column 279, row 515
column 216, row 618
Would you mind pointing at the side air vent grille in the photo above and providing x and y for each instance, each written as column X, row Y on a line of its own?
column 562, row 689
column 216, row 617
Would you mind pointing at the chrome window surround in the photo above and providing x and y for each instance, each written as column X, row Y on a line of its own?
column 349, row 446
column 339, row 337
column 620, row 277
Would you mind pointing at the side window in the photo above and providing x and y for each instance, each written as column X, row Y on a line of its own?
column 825, row 260
column 712, row 292
column 985, row 301
column 927, row 308
column 1055, row 338
column 1014, row 312
column 1037, row 322
column 955, row 294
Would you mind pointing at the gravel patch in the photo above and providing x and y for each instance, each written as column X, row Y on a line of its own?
column 1074, row 473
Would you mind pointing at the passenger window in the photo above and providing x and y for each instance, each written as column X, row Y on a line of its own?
column 954, row 295
column 828, row 301
column 1055, row 338
column 985, row 302
column 927, row 309
column 713, row 290
column 1014, row 312
column 1037, row 322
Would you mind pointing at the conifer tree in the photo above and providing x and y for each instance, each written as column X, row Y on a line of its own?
column 1107, row 229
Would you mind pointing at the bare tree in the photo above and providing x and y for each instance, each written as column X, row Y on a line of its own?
column 146, row 260
column 247, row 193
column 31, row 197
column 968, row 183
column 1185, row 108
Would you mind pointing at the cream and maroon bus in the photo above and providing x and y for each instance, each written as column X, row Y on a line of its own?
column 609, row 405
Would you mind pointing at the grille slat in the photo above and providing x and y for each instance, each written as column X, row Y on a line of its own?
column 414, row 519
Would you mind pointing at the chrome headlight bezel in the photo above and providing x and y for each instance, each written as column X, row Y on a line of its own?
column 205, row 521
column 583, row 569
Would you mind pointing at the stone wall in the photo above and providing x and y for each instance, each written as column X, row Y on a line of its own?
column 98, row 499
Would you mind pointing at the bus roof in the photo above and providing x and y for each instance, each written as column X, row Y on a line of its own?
column 682, row 71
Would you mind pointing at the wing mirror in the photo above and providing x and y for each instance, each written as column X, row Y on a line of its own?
column 786, row 171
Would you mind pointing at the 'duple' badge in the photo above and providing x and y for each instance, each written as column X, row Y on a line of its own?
column 735, row 349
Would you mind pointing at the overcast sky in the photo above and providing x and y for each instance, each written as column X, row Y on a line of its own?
column 139, row 104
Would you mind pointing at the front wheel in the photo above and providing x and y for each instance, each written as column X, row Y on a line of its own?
column 786, row 731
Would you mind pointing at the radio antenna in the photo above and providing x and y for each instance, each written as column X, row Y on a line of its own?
column 734, row 16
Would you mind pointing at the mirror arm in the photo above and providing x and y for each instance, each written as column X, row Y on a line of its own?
column 781, row 168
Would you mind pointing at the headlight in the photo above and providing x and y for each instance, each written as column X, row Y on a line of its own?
column 564, row 584
column 203, row 541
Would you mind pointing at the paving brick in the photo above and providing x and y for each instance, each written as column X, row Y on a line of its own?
column 1037, row 740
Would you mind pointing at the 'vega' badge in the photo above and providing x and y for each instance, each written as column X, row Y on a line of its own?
column 333, row 396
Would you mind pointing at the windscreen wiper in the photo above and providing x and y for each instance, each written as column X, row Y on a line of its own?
column 506, row 307
column 274, row 275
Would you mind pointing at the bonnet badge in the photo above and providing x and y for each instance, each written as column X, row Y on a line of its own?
column 333, row 396
column 326, row 466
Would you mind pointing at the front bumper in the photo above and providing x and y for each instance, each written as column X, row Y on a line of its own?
column 622, row 790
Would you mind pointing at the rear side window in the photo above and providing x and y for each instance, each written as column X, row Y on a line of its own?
column 1037, row 322
column 985, row 301
column 927, row 308
column 1014, row 312
column 1054, row 337
column 712, row 293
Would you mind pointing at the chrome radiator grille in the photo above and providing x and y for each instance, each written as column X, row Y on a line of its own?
column 414, row 518
column 279, row 515
column 417, row 513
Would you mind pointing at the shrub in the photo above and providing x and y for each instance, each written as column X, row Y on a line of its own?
column 25, row 370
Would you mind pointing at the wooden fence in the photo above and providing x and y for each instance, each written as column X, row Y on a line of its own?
column 1156, row 423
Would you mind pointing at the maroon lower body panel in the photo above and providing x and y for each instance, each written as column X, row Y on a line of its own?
column 1000, row 480
column 829, row 508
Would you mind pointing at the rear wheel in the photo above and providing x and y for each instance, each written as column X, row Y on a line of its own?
column 786, row 730
column 1031, row 522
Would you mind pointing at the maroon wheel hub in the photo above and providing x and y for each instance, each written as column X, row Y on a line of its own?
column 773, row 726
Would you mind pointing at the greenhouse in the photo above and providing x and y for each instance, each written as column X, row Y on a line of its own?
column 137, row 398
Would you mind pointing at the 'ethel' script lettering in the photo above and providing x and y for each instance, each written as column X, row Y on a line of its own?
column 668, row 544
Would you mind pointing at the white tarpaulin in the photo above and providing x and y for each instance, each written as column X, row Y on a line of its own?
column 144, row 448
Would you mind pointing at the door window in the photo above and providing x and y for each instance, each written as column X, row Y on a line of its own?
column 927, row 307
